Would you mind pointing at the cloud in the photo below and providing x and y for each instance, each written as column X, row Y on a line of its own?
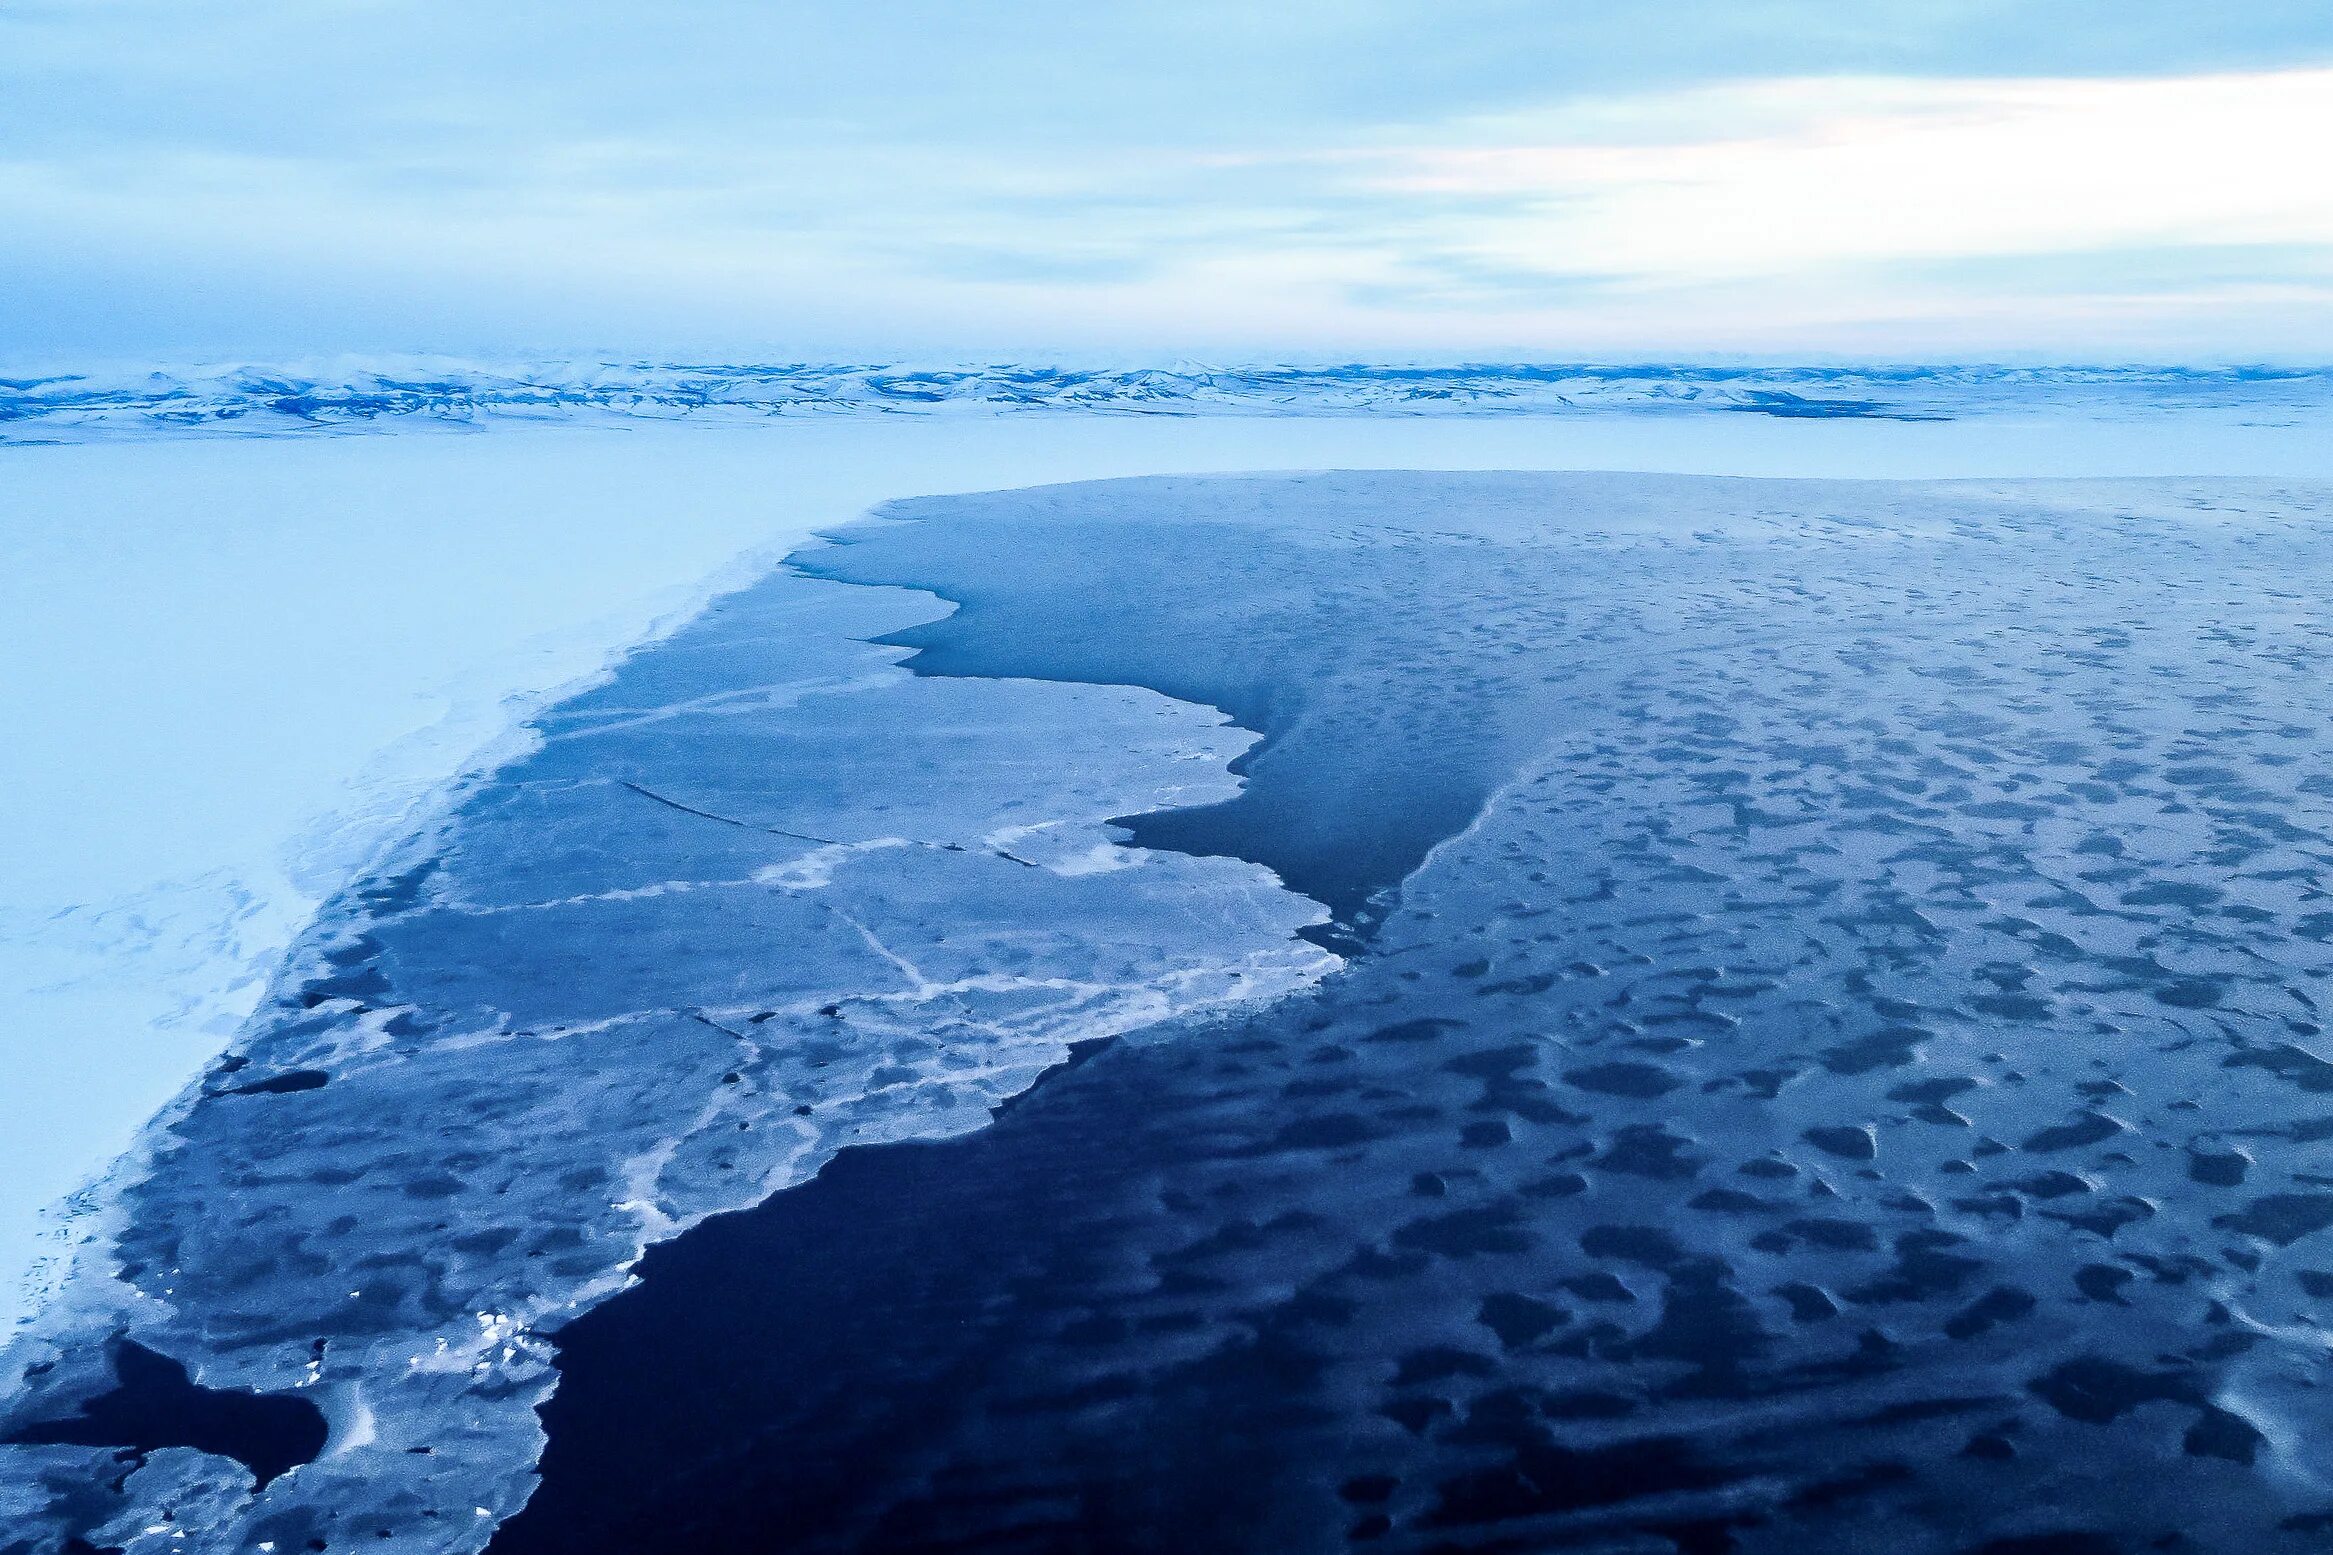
column 1371, row 175
column 1779, row 176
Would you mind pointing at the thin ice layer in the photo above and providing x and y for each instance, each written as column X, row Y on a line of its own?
column 1857, row 1084
column 761, row 896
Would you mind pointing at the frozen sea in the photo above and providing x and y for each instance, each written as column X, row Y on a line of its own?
column 610, row 942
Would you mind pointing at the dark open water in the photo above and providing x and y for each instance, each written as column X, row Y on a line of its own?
column 1831, row 1060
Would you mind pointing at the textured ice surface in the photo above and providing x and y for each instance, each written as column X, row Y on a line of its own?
column 760, row 896
column 1831, row 1058
column 215, row 728
column 1858, row 1084
column 313, row 396
column 234, row 669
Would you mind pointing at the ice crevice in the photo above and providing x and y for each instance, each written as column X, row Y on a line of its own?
column 823, row 842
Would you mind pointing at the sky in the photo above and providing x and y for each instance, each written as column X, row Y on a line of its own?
column 2087, row 180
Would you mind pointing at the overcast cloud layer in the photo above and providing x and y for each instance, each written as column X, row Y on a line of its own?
column 1946, row 180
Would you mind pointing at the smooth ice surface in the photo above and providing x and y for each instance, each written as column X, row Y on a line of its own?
column 1856, row 1082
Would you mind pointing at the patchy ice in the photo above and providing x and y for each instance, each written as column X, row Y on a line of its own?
column 1832, row 1056
column 762, row 896
column 1848, row 1074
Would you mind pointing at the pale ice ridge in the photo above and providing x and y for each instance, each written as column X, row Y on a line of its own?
column 762, row 895
column 344, row 393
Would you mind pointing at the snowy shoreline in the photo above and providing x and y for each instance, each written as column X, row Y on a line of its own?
column 757, row 896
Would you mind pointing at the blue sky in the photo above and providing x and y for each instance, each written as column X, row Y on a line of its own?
column 937, row 178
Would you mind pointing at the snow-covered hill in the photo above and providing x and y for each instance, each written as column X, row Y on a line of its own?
column 325, row 395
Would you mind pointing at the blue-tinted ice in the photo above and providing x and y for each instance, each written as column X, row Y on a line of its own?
column 1858, row 1084
column 761, row 896
column 1830, row 1055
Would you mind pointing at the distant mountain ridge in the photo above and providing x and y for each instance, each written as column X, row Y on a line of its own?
column 290, row 399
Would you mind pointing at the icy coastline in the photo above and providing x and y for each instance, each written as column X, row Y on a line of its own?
column 1837, row 1067
column 2250, row 519
column 241, row 662
column 760, row 896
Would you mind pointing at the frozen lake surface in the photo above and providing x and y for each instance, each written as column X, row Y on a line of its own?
column 237, row 664
column 1855, row 1081
column 1759, row 898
